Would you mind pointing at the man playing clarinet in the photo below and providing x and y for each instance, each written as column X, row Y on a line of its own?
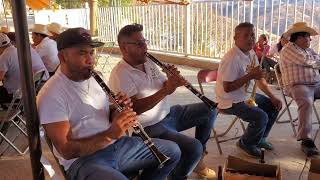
column 148, row 89
column 75, row 113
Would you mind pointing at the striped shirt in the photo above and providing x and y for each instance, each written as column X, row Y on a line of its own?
column 295, row 66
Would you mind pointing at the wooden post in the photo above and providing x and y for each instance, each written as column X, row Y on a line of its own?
column 93, row 5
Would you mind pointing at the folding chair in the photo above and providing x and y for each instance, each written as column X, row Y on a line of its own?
column 206, row 76
column 288, row 103
column 50, row 145
column 10, row 116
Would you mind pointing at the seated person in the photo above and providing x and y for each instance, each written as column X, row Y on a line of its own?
column 149, row 89
column 276, row 48
column 46, row 47
column 75, row 113
column 235, row 74
column 9, row 70
column 301, row 81
column 262, row 49
column 37, row 63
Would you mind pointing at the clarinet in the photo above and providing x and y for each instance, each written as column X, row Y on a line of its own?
column 212, row 105
column 137, row 129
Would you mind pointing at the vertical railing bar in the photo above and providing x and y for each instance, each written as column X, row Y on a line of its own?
column 244, row 11
column 167, row 29
column 271, row 22
column 170, row 28
column 238, row 12
column 206, row 25
column 251, row 12
column 192, row 29
column 287, row 10
column 226, row 32
column 279, row 17
column 216, row 32
column 295, row 11
column 258, row 17
column 174, row 28
column 197, row 30
column 221, row 30
column 304, row 10
column 231, row 37
column 312, row 13
column 161, row 16
column 202, row 20
column 178, row 28
column 211, row 31
column 264, row 16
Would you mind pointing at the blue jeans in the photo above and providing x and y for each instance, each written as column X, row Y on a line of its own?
column 179, row 119
column 126, row 156
column 261, row 119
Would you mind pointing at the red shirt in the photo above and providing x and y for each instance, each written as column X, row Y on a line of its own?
column 259, row 50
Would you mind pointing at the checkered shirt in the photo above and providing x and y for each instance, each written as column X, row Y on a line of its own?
column 295, row 66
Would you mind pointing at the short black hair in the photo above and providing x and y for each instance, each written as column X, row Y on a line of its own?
column 264, row 36
column 128, row 30
column 243, row 25
column 294, row 36
column 12, row 36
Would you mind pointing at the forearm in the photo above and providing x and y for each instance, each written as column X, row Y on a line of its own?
column 86, row 146
column 262, row 84
column 142, row 105
column 234, row 85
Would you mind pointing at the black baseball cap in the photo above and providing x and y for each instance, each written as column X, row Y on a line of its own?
column 76, row 37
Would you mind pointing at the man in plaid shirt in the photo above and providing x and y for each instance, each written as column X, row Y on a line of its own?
column 301, row 81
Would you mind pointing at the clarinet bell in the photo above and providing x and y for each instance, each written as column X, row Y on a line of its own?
column 251, row 103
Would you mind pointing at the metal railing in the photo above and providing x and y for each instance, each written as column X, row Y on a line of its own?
column 206, row 28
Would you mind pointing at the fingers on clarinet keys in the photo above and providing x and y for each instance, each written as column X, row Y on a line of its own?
column 122, row 122
column 257, row 73
column 123, row 100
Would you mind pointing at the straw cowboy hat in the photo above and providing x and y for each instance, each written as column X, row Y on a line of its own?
column 4, row 29
column 55, row 28
column 41, row 29
column 301, row 27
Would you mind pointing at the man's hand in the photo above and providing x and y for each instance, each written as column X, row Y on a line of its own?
column 257, row 73
column 174, row 80
column 124, row 100
column 276, row 102
column 121, row 123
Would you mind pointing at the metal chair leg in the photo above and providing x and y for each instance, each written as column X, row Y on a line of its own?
column 217, row 140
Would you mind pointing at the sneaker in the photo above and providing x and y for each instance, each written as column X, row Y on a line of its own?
column 309, row 148
column 204, row 171
column 252, row 151
column 265, row 144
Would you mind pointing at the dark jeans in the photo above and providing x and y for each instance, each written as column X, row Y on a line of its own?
column 179, row 119
column 126, row 155
column 261, row 118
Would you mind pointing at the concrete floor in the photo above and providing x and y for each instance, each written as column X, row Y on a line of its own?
column 287, row 151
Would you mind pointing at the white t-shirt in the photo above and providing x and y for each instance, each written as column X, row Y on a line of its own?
column 233, row 66
column 37, row 64
column 48, row 52
column 84, row 104
column 133, row 82
column 9, row 63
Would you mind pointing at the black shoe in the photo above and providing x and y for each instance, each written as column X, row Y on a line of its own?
column 251, row 151
column 309, row 148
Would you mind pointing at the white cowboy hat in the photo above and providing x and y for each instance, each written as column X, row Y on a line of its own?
column 55, row 28
column 301, row 27
column 41, row 29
